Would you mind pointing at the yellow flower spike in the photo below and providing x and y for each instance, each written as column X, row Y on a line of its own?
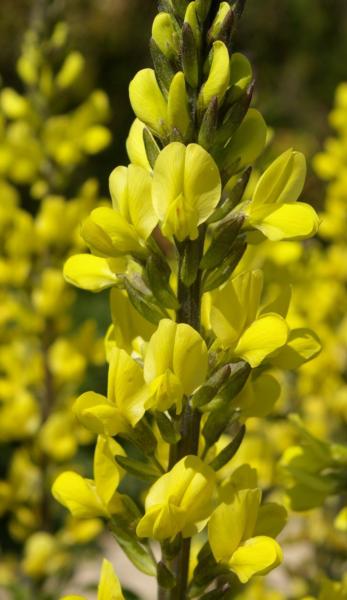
column 177, row 105
column 108, row 234
column 175, row 363
column 92, row 273
column 148, row 102
column 131, row 195
column 179, row 500
column 135, row 145
column 126, row 386
column 219, row 76
column 186, row 189
column 236, row 546
column 249, row 140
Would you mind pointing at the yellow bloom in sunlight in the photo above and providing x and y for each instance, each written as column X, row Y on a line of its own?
column 125, row 402
column 273, row 209
column 236, row 321
column 175, row 364
column 178, row 501
column 237, row 532
column 86, row 498
column 186, row 189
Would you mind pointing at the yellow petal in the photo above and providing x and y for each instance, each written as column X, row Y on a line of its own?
column 147, row 101
column 126, row 386
column 109, row 234
column 107, row 472
column 91, row 273
column 283, row 180
column 302, row 345
column 218, row 77
column 202, row 182
column 78, row 495
column 235, row 305
column 233, row 522
column 296, row 221
column 99, row 415
column 249, row 140
column 136, row 147
column 190, row 358
column 257, row 556
column 109, row 586
column 177, row 107
column 263, row 336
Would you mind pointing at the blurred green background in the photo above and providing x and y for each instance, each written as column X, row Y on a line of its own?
column 298, row 49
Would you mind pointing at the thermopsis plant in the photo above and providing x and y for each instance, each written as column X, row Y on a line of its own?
column 193, row 340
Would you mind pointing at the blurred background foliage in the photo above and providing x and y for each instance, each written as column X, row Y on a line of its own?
column 297, row 47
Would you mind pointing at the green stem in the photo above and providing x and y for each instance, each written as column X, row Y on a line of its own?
column 189, row 312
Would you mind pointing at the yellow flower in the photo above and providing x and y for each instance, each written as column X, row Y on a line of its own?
column 186, row 189
column 237, row 537
column 175, row 364
column 86, row 498
column 178, row 501
column 273, row 209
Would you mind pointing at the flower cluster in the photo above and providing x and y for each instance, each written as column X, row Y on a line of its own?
column 196, row 343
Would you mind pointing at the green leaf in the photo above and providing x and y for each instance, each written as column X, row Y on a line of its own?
column 231, row 197
column 229, row 451
column 217, row 422
column 135, row 551
column 167, row 428
column 209, row 124
column 158, row 273
column 189, row 54
column 209, row 390
column 142, row 470
column 151, row 147
column 165, row 576
column 218, row 276
column 143, row 437
column 202, row 9
column 239, row 374
column 162, row 67
column 190, row 251
column 222, row 243
column 233, row 118
column 142, row 299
